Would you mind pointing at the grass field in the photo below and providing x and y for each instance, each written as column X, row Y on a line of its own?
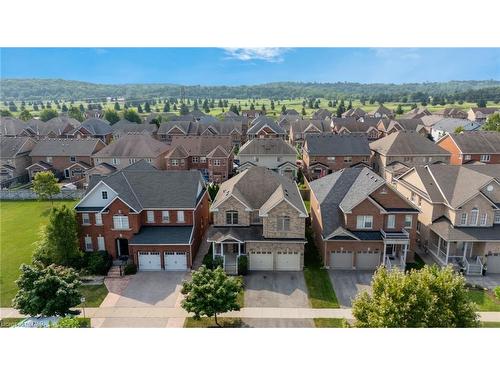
column 94, row 294
column 245, row 104
column 330, row 323
column 20, row 223
column 485, row 300
column 210, row 323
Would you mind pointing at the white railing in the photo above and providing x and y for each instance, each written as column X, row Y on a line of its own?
column 403, row 233
column 388, row 263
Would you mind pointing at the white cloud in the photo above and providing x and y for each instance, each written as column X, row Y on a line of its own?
column 246, row 54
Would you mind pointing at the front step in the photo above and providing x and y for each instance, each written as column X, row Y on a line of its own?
column 475, row 270
column 231, row 269
column 114, row 272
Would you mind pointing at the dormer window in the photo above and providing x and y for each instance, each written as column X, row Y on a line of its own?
column 463, row 218
column 104, row 195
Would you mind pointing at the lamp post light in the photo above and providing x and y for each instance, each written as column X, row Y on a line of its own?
column 83, row 304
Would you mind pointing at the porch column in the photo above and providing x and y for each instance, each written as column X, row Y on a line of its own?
column 466, row 246
column 405, row 252
column 222, row 249
column 383, row 256
column 447, row 251
column 439, row 244
column 214, row 248
column 239, row 248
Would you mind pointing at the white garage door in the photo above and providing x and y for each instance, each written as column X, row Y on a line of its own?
column 341, row 260
column 260, row 261
column 175, row 261
column 149, row 261
column 288, row 261
column 367, row 260
column 493, row 263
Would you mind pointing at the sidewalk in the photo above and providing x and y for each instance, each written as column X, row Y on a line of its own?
column 246, row 312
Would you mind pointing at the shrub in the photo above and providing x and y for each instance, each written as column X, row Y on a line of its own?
column 130, row 269
column 497, row 292
column 242, row 265
column 71, row 322
column 97, row 262
column 208, row 259
column 218, row 262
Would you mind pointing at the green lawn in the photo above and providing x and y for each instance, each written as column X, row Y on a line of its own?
column 308, row 205
column 20, row 223
column 94, row 294
column 9, row 322
column 330, row 323
column 485, row 300
column 491, row 324
column 319, row 286
column 210, row 323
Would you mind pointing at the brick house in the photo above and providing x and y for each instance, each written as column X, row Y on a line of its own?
column 265, row 127
column 398, row 152
column 67, row 158
column 326, row 153
column 469, row 147
column 133, row 213
column 416, row 113
column 388, row 126
column 259, row 214
column 481, row 114
column 15, row 156
column 360, row 222
column 300, row 128
column 211, row 155
column 125, row 127
column 354, row 112
column 459, row 220
column 351, row 125
column 94, row 128
column 130, row 148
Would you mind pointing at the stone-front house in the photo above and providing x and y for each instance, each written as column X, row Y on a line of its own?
column 481, row 114
column 396, row 153
column 300, row 128
column 261, row 215
column 351, row 125
column 125, row 127
column 130, row 148
column 459, row 221
column 67, row 158
column 211, row 155
column 326, row 153
column 265, row 127
column 470, row 147
column 94, row 128
column 15, row 156
column 273, row 153
column 154, row 218
column 360, row 222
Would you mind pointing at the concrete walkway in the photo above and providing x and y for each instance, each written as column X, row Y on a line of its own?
column 246, row 312
column 202, row 251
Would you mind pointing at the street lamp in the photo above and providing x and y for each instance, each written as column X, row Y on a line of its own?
column 83, row 304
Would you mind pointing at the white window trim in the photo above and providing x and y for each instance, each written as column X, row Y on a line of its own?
column 485, row 157
column 496, row 217
column 88, row 244
column 410, row 221
column 167, row 216
column 483, row 219
column 393, row 221
column 98, row 219
column 474, row 217
column 463, row 218
column 85, row 219
column 362, row 219
column 101, row 244
column 179, row 215
column 150, row 217
column 281, row 223
column 121, row 220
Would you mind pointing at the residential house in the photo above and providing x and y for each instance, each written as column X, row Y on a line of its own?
column 387, row 126
column 322, row 114
column 13, row 127
column 94, row 128
column 265, row 127
column 351, row 125
column 273, row 153
column 480, row 146
column 154, row 218
column 381, row 112
column 451, row 113
column 481, row 114
column 357, row 113
column 360, row 222
column 14, row 157
column 396, row 153
column 459, row 222
column 326, row 153
column 300, row 128
column 94, row 114
column 67, row 158
column 131, row 148
column 252, row 113
column 259, row 214
column 57, row 127
column 416, row 113
column 451, row 125
column 125, row 127
column 211, row 155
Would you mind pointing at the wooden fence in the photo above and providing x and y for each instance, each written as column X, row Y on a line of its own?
column 27, row 194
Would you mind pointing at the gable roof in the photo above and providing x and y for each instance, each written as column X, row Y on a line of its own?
column 354, row 112
column 196, row 145
column 382, row 110
column 12, row 146
column 97, row 126
column 406, row 143
column 267, row 146
column 133, row 145
column 330, row 144
column 482, row 142
column 11, row 126
column 65, row 147
column 449, row 124
column 263, row 121
column 321, row 114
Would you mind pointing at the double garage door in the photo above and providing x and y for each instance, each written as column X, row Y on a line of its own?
column 264, row 261
column 493, row 263
column 344, row 260
column 151, row 261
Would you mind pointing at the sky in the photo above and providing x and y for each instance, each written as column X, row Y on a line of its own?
column 235, row 66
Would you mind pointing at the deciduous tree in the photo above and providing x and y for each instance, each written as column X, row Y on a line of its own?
column 493, row 123
column 25, row 115
column 132, row 116
column 48, row 114
column 45, row 185
column 112, row 116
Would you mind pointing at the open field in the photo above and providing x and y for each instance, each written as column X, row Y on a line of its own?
column 20, row 223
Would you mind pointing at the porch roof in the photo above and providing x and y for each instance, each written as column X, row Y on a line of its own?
column 243, row 234
column 163, row 235
column 444, row 229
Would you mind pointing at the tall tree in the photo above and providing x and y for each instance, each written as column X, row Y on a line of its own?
column 147, row 107
column 430, row 297
column 399, row 110
column 25, row 115
column 132, row 116
column 47, row 291
column 184, row 109
column 481, row 103
column 48, row 114
column 139, row 108
column 76, row 114
column 5, row 113
column 117, row 106
column 166, row 107
column 64, row 108
column 112, row 116
column 492, row 123
column 283, row 109
column 211, row 292
column 45, row 185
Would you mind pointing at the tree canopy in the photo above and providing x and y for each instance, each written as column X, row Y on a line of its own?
column 132, row 116
column 493, row 123
column 48, row 114
column 45, row 185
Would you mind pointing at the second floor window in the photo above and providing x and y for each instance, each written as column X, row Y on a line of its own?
column 483, row 220
column 473, row 216
column 120, row 222
column 408, row 221
column 98, row 219
column 467, row 157
column 485, row 158
column 72, row 158
column 231, row 217
column 463, row 218
column 364, row 222
column 391, row 221
column 165, row 216
column 150, row 216
column 100, row 243
column 174, row 162
column 284, row 223
column 115, row 161
column 88, row 244
column 347, row 159
column 85, row 219
column 196, row 159
column 216, row 162
column 496, row 219
column 180, row 216
column 104, row 195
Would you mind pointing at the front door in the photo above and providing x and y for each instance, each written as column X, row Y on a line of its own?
column 66, row 173
column 122, row 246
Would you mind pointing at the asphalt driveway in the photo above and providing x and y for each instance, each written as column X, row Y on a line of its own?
column 275, row 289
column 347, row 284
column 153, row 289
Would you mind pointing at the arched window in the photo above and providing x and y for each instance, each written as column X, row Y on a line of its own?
column 473, row 216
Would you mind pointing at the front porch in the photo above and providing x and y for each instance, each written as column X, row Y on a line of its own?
column 229, row 251
column 396, row 246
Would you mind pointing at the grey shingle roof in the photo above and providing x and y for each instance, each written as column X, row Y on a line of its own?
column 321, row 114
column 267, row 146
column 201, row 145
column 261, row 121
column 65, row 147
column 97, row 126
column 450, row 233
column 481, row 142
column 11, row 126
column 250, row 233
column 329, row 144
column 11, row 146
column 162, row 235
column 133, row 145
column 406, row 143
column 449, row 124
column 342, row 190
